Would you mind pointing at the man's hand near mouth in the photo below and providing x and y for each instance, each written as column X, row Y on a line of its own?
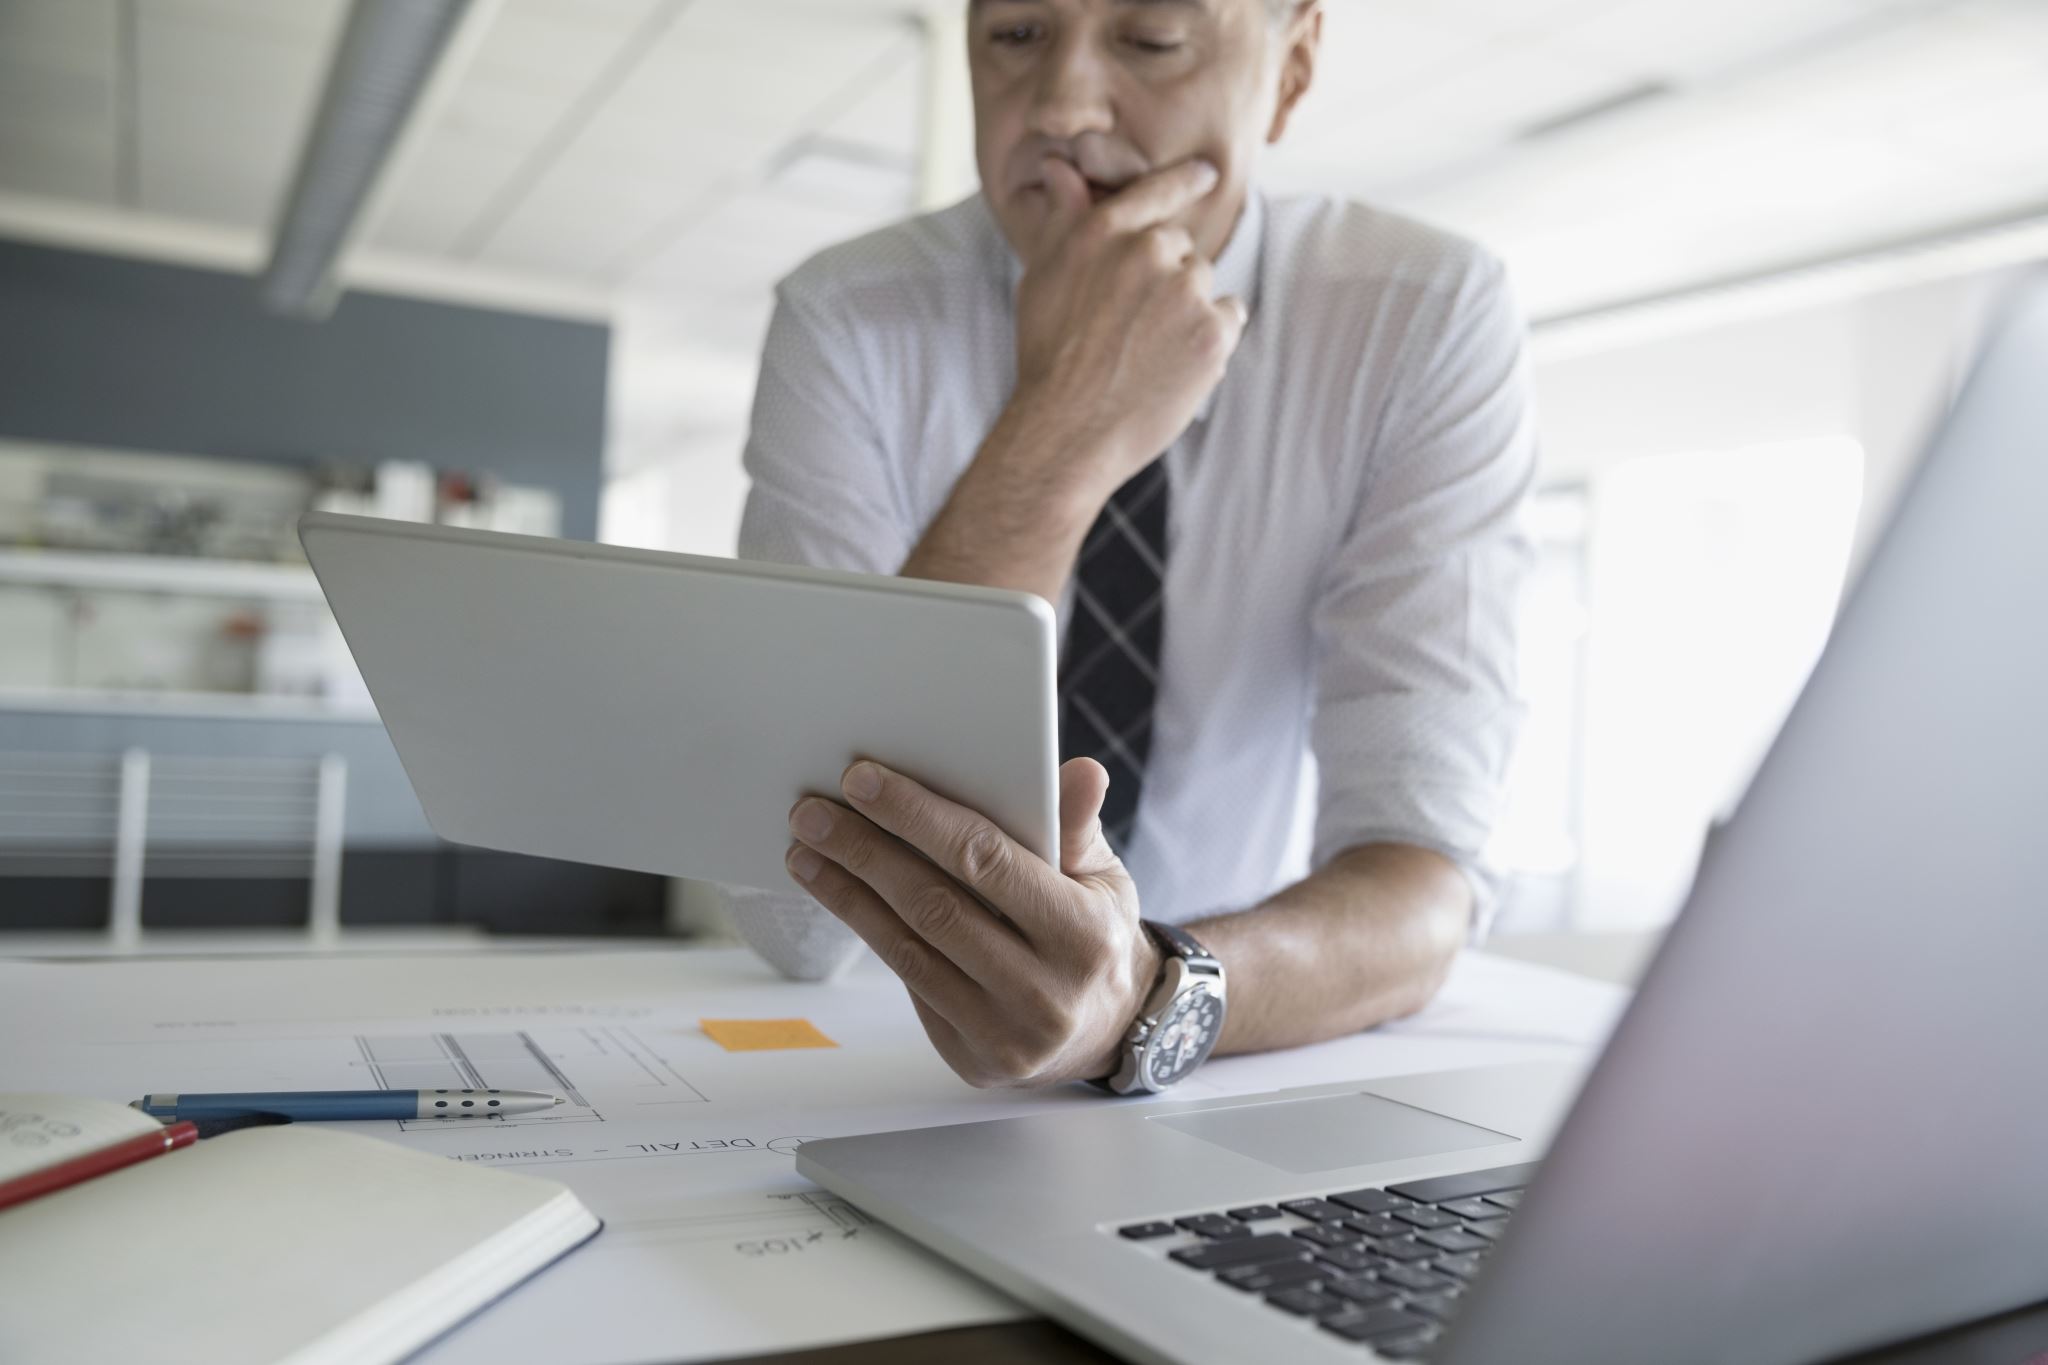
column 1118, row 344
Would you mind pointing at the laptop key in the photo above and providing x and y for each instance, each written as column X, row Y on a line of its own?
column 1475, row 1208
column 1258, row 1213
column 1466, row 1184
column 1414, row 1280
column 1213, row 1225
column 1453, row 1240
column 1463, row 1267
column 1358, row 1289
column 1329, row 1235
column 1369, row 1201
column 1507, row 1199
column 1402, row 1249
column 1380, row 1321
column 1316, row 1210
column 1438, row 1306
column 1377, row 1225
column 1349, row 1259
column 1427, row 1218
column 1272, row 1246
column 1308, row 1303
column 1270, row 1275
column 1414, row 1347
column 1138, row 1232
column 1492, row 1232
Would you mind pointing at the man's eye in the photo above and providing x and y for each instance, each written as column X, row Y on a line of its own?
column 1151, row 46
column 1014, row 35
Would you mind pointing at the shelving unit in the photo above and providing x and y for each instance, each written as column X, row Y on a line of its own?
column 159, row 573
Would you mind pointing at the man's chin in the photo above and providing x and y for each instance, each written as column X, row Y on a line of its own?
column 1024, row 217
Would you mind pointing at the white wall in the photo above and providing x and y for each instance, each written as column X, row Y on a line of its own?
column 1880, row 371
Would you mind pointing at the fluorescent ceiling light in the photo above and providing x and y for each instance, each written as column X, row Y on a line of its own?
column 1962, row 250
column 387, row 58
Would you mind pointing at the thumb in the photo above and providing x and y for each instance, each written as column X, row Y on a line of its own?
column 1083, row 849
column 1068, row 190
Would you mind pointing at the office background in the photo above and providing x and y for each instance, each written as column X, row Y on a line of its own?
column 1756, row 240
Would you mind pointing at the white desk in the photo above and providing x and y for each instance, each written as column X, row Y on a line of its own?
column 712, row 1248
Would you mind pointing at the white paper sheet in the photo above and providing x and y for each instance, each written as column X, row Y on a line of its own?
column 712, row 1246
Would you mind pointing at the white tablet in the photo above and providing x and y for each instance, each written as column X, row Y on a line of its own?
column 662, row 712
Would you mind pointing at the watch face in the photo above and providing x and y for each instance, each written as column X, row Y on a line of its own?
column 1183, row 1038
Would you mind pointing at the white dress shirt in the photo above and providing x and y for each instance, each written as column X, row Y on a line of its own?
column 1345, row 546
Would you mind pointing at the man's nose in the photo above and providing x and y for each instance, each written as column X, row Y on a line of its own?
column 1072, row 96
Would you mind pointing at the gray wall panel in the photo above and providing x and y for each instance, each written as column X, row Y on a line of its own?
column 101, row 350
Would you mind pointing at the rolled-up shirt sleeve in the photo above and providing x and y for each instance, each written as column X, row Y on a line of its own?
column 1415, row 624
column 822, row 491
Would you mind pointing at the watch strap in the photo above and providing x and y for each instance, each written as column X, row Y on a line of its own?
column 1178, row 941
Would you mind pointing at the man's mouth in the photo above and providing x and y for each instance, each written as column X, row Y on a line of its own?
column 1112, row 179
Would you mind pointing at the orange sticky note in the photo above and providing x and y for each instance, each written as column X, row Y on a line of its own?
column 764, row 1035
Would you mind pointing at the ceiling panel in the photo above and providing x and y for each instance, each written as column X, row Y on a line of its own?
column 691, row 151
column 748, row 241
column 537, row 75
column 1687, row 43
column 1904, row 127
column 549, row 48
column 59, row 72
column 710, row 69
column 224, row 90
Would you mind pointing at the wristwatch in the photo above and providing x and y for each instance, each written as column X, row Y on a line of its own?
column 1181, row 1020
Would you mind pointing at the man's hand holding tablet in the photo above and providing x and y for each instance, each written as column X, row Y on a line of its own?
column 1023, row 973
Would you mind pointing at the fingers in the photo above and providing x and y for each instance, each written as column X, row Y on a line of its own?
column 1068, row 190
column 1170, row 246
column 926, row 903
column 931, row 976
column 964, row 844
column 1156, row 197
column 1083, row 849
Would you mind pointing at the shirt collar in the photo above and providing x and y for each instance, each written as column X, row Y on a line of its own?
column 1237, row 269
column 1237, row 272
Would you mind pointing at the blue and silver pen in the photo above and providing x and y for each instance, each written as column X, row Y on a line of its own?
column 301, row 1105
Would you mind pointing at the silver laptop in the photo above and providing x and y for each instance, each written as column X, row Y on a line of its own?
column 1822, row 1126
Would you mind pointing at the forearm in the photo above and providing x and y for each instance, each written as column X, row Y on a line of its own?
column 1017, row 517
column 1367, row 939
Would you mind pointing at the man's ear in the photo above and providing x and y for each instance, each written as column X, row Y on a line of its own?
column 1303, row 36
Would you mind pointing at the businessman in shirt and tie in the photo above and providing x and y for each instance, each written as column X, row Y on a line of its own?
column 1266, row 457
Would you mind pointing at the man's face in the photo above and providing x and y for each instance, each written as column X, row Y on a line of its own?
column 1119, row 88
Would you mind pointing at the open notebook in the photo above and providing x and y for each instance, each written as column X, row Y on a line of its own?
column 284, row 1244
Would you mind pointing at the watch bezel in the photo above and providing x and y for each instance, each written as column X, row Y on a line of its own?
column 1151, row 1048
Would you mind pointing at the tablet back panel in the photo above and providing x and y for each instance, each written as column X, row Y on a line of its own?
column 662, row 712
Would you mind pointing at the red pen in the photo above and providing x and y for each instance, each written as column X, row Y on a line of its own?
column 98, row 1162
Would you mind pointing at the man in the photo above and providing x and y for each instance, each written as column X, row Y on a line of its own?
column 1266, row 457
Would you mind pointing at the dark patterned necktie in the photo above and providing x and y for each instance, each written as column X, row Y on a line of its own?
column 1109, row 674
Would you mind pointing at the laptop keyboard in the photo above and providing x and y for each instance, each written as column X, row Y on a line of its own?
column 1383, row 1268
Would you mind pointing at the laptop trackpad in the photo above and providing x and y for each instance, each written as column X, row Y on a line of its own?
column 1303, row 1136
